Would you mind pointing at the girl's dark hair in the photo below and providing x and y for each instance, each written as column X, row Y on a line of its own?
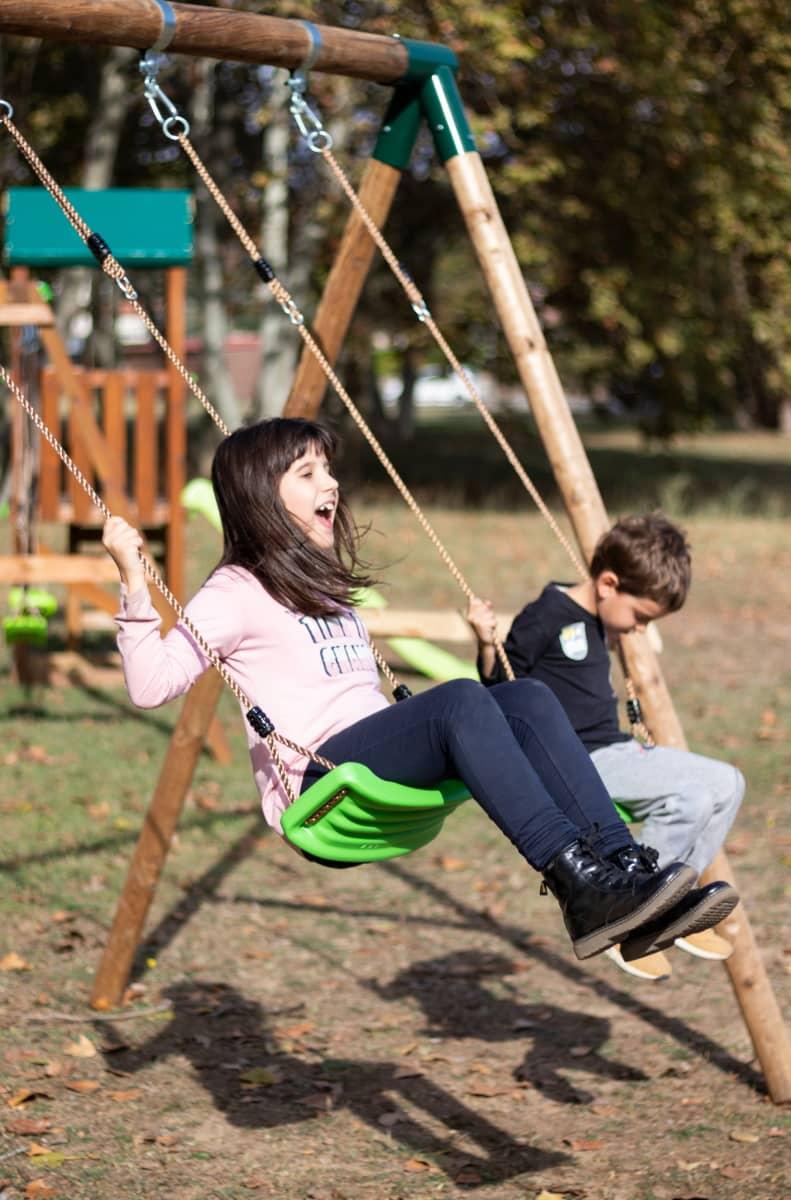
column 258, row 532
column 651, row 557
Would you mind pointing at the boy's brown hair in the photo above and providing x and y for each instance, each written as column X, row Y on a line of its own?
column 651, row 557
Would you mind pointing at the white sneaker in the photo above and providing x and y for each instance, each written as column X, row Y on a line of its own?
column 654, row 966
column 706, row 944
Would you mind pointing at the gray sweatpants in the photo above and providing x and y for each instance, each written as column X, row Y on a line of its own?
column 686, row 803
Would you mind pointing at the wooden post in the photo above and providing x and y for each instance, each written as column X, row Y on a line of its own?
column 176, row 429
column 342, row 291
column 154, row 841
column 208, row 32
column 587, row 513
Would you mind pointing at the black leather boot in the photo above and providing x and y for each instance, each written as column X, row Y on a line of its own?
column 636, row 859
column 601, row 902
column 700, row 909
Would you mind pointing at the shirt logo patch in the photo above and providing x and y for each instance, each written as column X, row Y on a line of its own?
column 574, row 641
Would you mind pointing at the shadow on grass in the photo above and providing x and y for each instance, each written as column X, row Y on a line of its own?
column 467, row 918
column 459, row 465
column 117, row 841
column 457, row 1004
column 213, row 1023
column 674, row 1027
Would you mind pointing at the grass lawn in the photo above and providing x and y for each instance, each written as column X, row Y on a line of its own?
column 409, row 1030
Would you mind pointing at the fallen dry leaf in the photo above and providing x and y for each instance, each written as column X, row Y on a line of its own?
column 130, row 1094
column 13, row 962
column 37, row 1189
column 407, row 1073
column 488, row 1089
column 584, row 1143
column 83, row 1086
column 744, row 1135
column 295, row 1031
column 44, row 1157
column 446, row 862
column 82, row 1048
column 26, row 1126
column 550, row 1196
column 416, row 1165
column 24, row 1094
column 260, row 1077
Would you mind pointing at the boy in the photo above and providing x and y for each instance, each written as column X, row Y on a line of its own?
column 640, row 572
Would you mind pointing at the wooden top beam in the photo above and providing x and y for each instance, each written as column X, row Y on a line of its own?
column 208, row 33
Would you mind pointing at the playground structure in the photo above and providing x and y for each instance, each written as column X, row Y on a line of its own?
column 125, row 428
column 426, row 89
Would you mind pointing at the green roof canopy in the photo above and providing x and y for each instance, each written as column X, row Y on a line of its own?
column 144, row 227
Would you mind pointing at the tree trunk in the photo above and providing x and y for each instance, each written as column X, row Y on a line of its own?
column 80, row 286
column 212, row 140
column 279, row 339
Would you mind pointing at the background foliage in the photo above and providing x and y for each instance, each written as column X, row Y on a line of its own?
column 639, row 153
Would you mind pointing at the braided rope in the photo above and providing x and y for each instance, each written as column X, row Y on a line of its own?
column 287, row 303
column 111, row 267
column 424, row 315
column 114, row 270
column 155, row 578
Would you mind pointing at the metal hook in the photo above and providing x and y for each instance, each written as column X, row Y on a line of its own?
column 174, row 125
column 306, row 119
column 7, row 110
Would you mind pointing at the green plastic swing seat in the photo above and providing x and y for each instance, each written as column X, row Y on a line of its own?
column 623, row 812
column 351, row 815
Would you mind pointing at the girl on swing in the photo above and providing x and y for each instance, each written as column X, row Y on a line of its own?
column 278, row 610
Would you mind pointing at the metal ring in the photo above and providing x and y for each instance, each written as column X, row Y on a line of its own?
column 6, row 109
column 319, row 140
column 168, row 26
column 315, row 46
column 180, row 123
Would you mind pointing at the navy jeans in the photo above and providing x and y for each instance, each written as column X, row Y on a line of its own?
column 512, row 745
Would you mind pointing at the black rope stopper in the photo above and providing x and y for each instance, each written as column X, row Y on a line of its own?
column 634, row 712
column 98, row 248
column 401, row 692
column 260, row 722
column 264, row 270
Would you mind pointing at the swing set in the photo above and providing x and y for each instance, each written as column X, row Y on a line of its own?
column 349, row 811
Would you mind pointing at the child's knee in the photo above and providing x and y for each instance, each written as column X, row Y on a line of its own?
column 465, row 697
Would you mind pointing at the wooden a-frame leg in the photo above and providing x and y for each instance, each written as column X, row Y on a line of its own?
column 342, row 291
column 586, row 510
column 154, row 841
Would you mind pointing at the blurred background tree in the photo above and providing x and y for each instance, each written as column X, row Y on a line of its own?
column 639, row 153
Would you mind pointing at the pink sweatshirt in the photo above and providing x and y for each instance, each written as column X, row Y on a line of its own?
column 313, row 676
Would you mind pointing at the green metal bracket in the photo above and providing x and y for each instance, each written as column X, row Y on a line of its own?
column 445, row 114
column 400, row 128
column 425, row 58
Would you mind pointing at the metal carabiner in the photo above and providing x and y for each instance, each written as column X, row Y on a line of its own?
column 307, row 121
column 292, row 312
column 6, row 111
column 149, row 67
